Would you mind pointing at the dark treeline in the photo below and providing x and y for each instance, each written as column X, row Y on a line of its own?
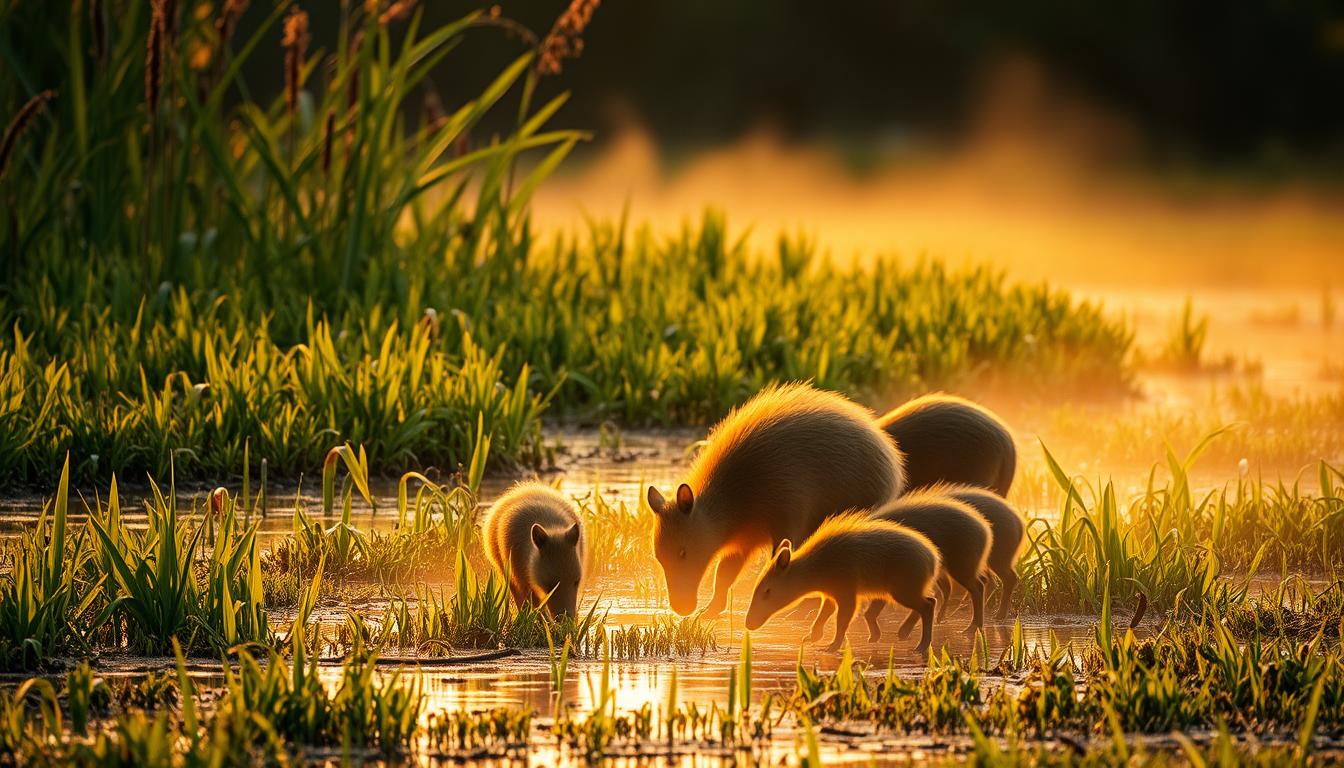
column 1205, row 83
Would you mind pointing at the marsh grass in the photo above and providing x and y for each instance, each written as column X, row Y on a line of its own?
column 214, row 270
column 1173, row 544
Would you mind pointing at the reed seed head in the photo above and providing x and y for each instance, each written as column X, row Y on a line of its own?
column 565, row 40
column 227, row 21
column 396, row 12
column 19, row 124
column 295, row 43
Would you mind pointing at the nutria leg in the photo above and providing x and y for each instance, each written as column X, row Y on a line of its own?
column 926, row 633
column 1009, row 578
column 976, row 588
column 819, row 624
column 944, row 594
column 729, row 567
column 922, row 608
column 870, row 615
column 844, row 615
column 908, row 625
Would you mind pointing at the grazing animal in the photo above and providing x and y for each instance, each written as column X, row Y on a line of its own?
column 953, row 440
column 534, row 537
column 962, row 538
column 1009, row 530
column 772, row 470
column 851, row 556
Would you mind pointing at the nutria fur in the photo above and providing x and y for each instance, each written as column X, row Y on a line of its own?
column 1008, row 528
column 962, row 537
column 772, row 470
column 850, row 556
column 534, row 537
column 950, row 439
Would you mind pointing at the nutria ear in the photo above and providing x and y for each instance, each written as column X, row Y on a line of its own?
column 685, row 498
column 539, row 535
column 572, row 535
column 784, row 555
column 656, row 500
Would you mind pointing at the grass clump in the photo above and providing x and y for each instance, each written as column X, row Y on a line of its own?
column 1174, row 545
column 43, row 602
column 666, row 636
column 1187, row 677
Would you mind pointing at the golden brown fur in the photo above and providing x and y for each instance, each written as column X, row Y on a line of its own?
column 1009, row 531
column 850, row 556
column 534, row 537
column 773, row 469
column 961, row 535
column 951, row 439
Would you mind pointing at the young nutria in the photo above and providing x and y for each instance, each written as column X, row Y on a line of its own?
column 850, row 556
column 772, row 470
column 534, row 537
column 962, row 538
column 949, row 439
column 1008, row 528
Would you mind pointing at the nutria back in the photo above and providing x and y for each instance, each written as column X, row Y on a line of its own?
column 962, row 536
column 792, row 456
column 857, row 541
column 950, row 439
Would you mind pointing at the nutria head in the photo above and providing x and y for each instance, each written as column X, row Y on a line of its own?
column 773, row 592
column 557, row 568
column 682, row 545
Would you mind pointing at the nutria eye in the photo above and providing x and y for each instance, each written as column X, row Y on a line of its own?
column 766, row 593
column 682, row 553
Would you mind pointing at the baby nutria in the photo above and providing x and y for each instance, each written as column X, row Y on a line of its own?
column 962, row 538
column 949, row 439
column 1008, row 528
column 850, row 556
column 534, row 537
column 772, row 470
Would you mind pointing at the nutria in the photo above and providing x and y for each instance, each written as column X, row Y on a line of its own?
column 950, row 439
column 961, row 535
column 773, row 469
column 1008, row 528
column 533, row 535
column 849, row 556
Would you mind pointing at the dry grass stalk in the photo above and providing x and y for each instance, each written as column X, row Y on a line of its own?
column 98, row 23
column 327, row 137
column 495, row 18
column 565, row 40
column 19, row 124
column 154, row 50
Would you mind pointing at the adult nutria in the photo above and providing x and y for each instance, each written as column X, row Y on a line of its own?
column 962, row 538
column 773, row 469
column 950, row 439
column 534, row 537
column 1008, row 527
column 850, row 556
